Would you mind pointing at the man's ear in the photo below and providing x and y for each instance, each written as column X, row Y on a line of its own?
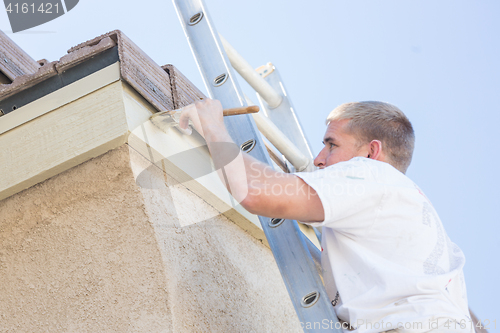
column 375, row 150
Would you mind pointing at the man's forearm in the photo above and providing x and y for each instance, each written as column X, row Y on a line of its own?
column 239, row 172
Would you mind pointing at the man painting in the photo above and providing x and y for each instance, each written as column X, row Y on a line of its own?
column 387, row 262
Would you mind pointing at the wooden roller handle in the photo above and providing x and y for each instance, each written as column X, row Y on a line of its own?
column 241, row 110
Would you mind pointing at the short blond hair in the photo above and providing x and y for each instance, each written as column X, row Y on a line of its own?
column 379, row 121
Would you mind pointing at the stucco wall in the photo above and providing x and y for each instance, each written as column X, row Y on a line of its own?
column 94, row 250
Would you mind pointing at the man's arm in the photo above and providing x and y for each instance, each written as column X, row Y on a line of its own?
column 259, row 189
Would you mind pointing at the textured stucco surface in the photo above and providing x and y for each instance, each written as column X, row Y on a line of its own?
column 94, row 250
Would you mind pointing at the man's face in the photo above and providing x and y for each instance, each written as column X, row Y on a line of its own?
column 339, row 146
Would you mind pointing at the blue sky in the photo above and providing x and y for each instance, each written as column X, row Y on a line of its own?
column 435, row 60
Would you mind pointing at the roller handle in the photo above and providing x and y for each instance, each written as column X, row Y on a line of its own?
column 241, row 110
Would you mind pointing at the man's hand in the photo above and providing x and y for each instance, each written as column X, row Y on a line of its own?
column 207, row 119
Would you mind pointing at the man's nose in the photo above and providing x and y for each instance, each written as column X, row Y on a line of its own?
column 319, row 161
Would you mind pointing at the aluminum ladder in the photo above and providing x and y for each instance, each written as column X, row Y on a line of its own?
column 290, row 248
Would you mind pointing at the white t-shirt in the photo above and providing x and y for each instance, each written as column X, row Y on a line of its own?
column 386, row 257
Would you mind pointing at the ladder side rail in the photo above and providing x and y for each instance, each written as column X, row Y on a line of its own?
column 247, row 72
column 279, row 140
column 284, row 115
column 315, row 254
column 285, row 239
column 267, row 83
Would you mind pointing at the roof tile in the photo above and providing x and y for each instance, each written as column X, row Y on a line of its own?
column 14, row 62
column 80, row 55
column 23, row 82
column 183, row 91
column 139, row 70
column 136, row 67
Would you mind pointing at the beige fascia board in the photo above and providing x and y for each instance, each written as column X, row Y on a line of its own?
column 60, row 97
